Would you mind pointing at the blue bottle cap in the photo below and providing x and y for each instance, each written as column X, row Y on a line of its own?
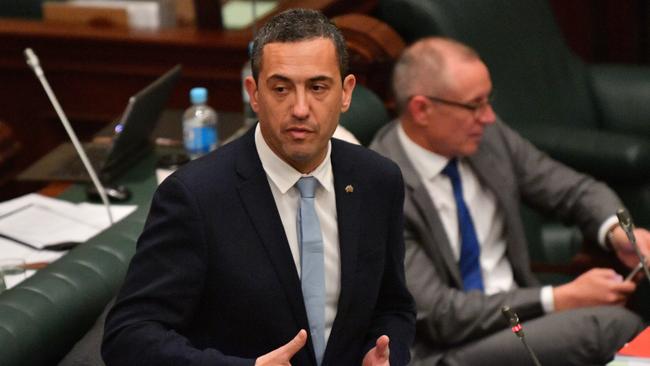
column 198, row 95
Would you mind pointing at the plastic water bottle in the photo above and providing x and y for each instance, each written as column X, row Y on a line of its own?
column 199, row 125
column 250, row 117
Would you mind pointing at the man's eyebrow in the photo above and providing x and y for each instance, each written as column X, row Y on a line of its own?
column 321, row 78
column 280, row 77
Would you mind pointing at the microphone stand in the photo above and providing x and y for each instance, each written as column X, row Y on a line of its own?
column 35, row 65
column 625, row 220
column 518, row 330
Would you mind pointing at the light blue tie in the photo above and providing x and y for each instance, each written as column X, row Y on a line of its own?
column 470, row 266
column 312, row 264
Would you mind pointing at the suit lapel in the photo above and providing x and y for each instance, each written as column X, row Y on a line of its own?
column 438, row 244
column 258, row 201
column 348, row 209
column 425, row 205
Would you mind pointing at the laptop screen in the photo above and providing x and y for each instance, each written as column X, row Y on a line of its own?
column 140, row 118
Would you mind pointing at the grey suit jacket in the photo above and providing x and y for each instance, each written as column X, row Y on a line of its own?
column 514, row 170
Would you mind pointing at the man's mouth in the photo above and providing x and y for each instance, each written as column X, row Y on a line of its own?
column 299, row 133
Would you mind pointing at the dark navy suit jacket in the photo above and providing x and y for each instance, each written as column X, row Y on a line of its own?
column 213, row 281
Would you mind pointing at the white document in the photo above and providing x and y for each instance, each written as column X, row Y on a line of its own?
column 9, row 249
column 40, row 221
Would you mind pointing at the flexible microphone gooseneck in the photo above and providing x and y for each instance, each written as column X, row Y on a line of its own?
column 518, row 330
column 625, row 220
column 35, row 65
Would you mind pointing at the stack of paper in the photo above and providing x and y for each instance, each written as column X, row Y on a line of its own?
column 31, row 223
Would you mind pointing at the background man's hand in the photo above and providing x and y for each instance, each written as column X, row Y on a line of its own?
column 379, row 354
column 598, row 286
column 282, row 356
column 624, row 249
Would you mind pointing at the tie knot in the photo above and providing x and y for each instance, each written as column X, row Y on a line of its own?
column 451, row 169
column 307, row 186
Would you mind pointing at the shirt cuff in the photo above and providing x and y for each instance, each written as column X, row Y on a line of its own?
column 604, row 228
column 546, row 297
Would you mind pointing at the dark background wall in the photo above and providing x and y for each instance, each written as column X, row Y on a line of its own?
column 606, row 30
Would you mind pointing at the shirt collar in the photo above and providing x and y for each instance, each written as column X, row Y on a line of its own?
column 427, row 164
column 283, row 175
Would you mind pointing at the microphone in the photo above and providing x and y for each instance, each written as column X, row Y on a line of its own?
column 625, row 220
column 35, row 65
column 517, row 329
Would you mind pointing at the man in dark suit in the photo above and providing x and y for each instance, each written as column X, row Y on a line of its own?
column 465, row 174
column 225, row 275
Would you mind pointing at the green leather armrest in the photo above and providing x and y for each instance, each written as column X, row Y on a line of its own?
column 44, row 316
column 606, row 155
column 623, row 94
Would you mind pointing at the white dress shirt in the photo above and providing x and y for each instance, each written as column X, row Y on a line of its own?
column 282, row 179
column 482, row 205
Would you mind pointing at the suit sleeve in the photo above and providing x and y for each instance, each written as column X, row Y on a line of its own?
column 556, row 189
column 447, row 316
column 162, row 289
column 394, row 313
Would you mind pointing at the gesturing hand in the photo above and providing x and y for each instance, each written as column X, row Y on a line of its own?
column 282, row 356
column 379, row 354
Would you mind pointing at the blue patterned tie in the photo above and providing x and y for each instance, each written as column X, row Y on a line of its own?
column 312, row 264
column 470, row 267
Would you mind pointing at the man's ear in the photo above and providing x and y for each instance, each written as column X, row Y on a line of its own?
column 251, row 89
column 418, row 108
column 346, row 97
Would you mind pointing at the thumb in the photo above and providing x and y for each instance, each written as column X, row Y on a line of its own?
column 295, row 344
column 382, row 348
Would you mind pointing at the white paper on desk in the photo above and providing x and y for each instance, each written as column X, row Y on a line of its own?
column 9, row 249
column 39, row 226
column 41, row 221
column 33, row 198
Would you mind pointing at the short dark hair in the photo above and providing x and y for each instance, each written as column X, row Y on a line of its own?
column 296, row 25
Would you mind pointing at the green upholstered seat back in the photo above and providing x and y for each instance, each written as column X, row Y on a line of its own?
column 366, row 115
column 537, row 80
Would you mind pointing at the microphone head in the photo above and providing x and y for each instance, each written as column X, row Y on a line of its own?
column 624, row 219
column 510, row 316
column 32, row 59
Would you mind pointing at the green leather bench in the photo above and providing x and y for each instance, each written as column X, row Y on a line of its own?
column 44, row 316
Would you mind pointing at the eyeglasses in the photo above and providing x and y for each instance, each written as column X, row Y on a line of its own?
column 475, row 107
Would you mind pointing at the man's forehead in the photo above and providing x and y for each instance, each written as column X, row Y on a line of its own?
column 314, row 52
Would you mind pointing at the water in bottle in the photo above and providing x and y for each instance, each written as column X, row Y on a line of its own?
column 199, row 125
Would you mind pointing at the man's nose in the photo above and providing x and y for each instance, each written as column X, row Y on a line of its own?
column 300, row 108
column 487, row 115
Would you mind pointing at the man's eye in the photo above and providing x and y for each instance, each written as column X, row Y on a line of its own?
column 280, row 89
column 318, row 88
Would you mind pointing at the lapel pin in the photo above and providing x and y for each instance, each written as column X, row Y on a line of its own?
column 349, row 188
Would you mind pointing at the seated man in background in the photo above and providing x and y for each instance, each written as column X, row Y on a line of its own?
column 267, row 250
column 465, row 173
